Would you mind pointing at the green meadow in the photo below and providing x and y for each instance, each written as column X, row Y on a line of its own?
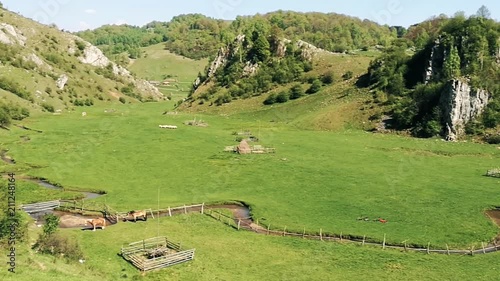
column 223, row 253
column 429, row 191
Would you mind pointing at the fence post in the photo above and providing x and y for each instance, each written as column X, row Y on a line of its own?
column 472, row 251
column 341, row 236
column 284, row 231
column 428, row 247
column 304, row 233
column 169, row 212
column 321, row 234
column 484, row 250
column 239, row 222
column 383, row 244
column 364, row 238
column 202, row 207
column 447, row 250
column 406, row 246
column 185, row 210
column 268, row 226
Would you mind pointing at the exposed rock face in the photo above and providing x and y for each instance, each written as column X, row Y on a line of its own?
column 461, row 104
column 435, row 62
column 250, row 69
column 11, row 35
column 37, row 60
column 93, row 56
column 61, row 82
column 220, row 60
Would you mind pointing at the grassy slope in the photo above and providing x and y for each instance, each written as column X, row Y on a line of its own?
column 327, row 181
column 158, row 63
column 330, row 109
column 42, row 41
column 226, row 254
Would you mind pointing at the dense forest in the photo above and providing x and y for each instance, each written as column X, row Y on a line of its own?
column 196, row 36
column 470, row 50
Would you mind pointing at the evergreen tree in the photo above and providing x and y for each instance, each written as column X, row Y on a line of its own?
column 451, row 67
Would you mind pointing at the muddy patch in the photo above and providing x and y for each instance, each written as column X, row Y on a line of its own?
column 28, row 129
column 7, row 159
column 494, row 215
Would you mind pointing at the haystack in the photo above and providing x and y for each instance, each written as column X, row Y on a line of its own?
column 244, row 148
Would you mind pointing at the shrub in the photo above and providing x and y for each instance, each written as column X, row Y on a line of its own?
column 348, row 75
column 271, row 99
column 296, row 92
column 58, row 245
column 15, row 88
column 328, row 77
column 47, row 107
column 122, row 99
column 282, row 97
column 315, row 87
column 80, row 45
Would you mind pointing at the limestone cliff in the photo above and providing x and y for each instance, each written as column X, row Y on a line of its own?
column 460, row 104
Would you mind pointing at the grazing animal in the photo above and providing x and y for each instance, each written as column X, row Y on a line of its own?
column 138, row 214
column 97, row 222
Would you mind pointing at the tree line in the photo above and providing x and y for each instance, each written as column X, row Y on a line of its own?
column 469, row 48
column 197, row 36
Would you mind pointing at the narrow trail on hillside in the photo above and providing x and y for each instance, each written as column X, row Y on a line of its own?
column 241, row 219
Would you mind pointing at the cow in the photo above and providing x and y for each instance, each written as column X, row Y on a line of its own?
column 138, row 214
column 97, row 222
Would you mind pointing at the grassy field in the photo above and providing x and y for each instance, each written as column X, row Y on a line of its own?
column 159, row 64
column 226, row 254
column 428, row 190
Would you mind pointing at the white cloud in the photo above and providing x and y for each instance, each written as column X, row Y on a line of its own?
column 120, row 22
column 90, row 11
column 84, row 25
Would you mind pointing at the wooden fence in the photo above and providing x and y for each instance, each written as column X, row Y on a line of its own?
column 249, row 225
column 156, row 253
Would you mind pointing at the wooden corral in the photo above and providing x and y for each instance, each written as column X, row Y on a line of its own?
column 156, row 253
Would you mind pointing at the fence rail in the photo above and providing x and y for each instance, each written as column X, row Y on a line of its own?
column 42, row 206
column 249, row 225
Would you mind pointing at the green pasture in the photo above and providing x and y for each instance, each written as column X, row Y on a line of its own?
column 159, row 64
column 428, row 190
column 223, row 253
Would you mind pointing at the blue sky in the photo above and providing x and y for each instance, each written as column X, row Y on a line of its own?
column 82, row 14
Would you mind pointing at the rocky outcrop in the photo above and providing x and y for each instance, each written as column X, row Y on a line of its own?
column 220, row 60
column 435, row 62
column 11, row 35
column 61, row 82
column 461, row 104
column 93, row 56
column 37, row 60
column 250, row 69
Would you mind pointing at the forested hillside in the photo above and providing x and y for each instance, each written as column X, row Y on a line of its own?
column 458, row 50
column 196, row 36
